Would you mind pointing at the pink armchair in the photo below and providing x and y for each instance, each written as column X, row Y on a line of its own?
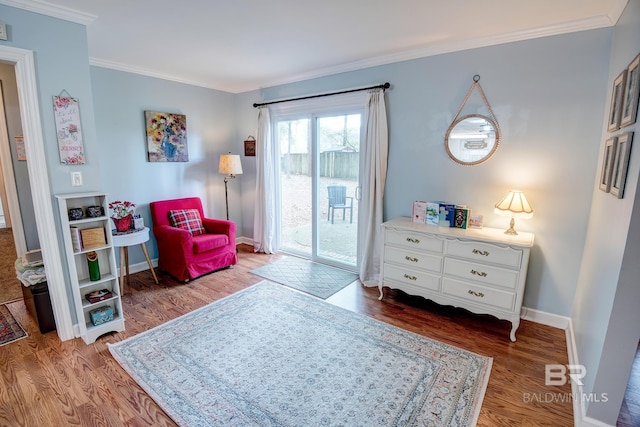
column 184, row 255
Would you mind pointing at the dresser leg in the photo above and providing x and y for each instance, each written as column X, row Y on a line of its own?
column 514, row 327
column 381, row 294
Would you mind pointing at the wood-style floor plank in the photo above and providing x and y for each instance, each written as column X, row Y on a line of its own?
column 46, row 382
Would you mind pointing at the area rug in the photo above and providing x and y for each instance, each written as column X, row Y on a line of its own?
column 313, row 278
column 10, row 329
column 271, row 356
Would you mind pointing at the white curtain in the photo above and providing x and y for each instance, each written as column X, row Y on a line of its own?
column 373, row 174
column 264, row 221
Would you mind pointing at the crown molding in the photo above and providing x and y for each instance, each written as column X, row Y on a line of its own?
column 457, row 46
column 52, row 10
column 97, row 62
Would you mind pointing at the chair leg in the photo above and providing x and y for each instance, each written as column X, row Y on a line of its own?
column 351, row 215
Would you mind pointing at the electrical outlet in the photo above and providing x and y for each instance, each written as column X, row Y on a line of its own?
column 76, row 179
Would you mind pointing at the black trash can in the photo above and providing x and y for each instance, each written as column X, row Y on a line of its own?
column 36, row 298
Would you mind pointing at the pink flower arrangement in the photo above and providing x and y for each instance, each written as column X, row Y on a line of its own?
column 121, row 209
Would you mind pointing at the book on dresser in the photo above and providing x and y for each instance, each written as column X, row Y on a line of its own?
column 481, row 270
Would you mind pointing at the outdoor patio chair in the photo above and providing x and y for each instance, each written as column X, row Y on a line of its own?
column 338, row 199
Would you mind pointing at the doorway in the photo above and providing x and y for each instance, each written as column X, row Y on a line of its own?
column 24, row 64
column 319, row 186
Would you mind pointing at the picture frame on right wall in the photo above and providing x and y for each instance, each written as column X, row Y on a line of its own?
column 621, row 164
column 608, row 157
column 631, row 91
column 615, row 110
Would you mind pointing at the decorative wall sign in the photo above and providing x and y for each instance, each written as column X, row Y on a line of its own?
column 20, row 151
column 66, row 112
column 166, row 137
column 250, row 146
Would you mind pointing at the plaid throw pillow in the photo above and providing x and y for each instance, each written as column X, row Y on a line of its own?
column 187, row 219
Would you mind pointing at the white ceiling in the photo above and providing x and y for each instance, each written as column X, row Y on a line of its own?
column 241, row 45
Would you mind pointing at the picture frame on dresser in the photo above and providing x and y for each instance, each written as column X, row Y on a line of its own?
column 631, row 94
column 621, row 164
column 608, row 158
column 615, row 109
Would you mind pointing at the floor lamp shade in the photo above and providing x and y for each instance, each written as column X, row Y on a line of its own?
column 515, row 205
column 230, row 166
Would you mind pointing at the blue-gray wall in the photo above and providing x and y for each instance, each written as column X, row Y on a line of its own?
column 605, row 314
column 547, row 95
column 120, row 102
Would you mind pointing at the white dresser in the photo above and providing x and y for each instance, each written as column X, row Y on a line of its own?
column 481, row 270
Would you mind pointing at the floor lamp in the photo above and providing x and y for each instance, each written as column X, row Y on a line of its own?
column 230, row 166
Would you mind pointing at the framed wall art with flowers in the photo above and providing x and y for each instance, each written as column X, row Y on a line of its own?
column 66, row 112
column 166, row 137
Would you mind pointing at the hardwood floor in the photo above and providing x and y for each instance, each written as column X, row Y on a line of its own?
column 46, row 382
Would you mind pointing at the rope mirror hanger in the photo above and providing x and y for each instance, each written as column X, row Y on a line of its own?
column 474, row 138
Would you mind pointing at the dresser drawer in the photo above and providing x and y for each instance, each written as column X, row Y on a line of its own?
column 413, row 259
column 485, row 252
column 407, row 239
column 483, row 273
column 479, row 294
column 412, row 277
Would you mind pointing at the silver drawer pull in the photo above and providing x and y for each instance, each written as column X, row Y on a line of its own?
column 406, row 276
column 476, row 294
column 408, row 258
column 479, row 252
column 411, row 240
column 479, row 273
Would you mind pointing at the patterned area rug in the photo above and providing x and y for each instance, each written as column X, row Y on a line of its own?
column 270, row 356
column 313, row 278
column 10, row 329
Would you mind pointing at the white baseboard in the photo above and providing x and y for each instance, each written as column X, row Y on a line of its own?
column 141, row 266
column 544, row 318
column 244, row 240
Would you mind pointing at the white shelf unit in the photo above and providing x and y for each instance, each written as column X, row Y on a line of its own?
column 79, row 267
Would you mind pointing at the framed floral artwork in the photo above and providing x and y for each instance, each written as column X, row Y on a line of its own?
column 166, row 137
column 608, row 157
column 615, row 110
column 621, row 164
column 631, row 90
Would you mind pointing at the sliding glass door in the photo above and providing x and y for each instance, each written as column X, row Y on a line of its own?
column 319, row 185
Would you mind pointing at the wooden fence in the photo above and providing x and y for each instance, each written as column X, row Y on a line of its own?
column 333, row 164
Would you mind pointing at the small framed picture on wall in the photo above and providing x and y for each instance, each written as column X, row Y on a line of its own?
column 621, row 164
column 608, row 157
column 250, row 147
column 615, row 110
column 630, row 97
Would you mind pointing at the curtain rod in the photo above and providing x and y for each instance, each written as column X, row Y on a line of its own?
column 384, row 86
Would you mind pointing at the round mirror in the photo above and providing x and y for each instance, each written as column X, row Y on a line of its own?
column 472, row 139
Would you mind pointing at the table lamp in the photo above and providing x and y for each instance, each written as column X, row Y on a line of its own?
column 514, row 205
column 230, row 166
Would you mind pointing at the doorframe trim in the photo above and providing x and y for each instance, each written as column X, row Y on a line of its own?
column 6, row 165
column 40, row 189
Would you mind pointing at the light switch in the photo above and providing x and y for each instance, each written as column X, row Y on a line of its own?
column 76, row 179
column 3, row 31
